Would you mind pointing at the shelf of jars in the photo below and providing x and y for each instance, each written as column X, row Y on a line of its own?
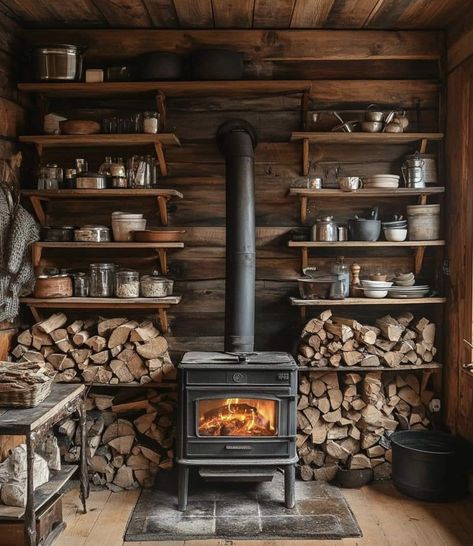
column 161, row 305
column 158, row 140
column 161, row 249
column 40, row 197
column 361, row 138
column 306, row 195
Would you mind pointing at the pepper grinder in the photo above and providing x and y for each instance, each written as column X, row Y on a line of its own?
column 355, row 287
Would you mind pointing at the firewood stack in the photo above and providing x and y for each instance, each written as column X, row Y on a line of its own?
column 128, row 442
column 344, row 419
column 110, row 351
column 393, row 342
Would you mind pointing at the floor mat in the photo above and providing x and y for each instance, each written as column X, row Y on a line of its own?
column 241, row 511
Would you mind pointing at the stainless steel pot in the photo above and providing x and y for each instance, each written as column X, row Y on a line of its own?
column 88, row 181
column 325, row 229
column 61, row 62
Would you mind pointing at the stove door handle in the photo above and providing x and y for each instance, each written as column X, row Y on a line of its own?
column 238, row 447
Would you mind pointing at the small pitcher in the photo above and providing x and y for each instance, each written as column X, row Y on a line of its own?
column 413, row 172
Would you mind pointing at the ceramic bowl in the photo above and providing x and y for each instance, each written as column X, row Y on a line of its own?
column 405, row 276
column 378, row 277
column 396, row 235
column 376, row 285
column 410, row 282
column 371, row 126
column 375, row 294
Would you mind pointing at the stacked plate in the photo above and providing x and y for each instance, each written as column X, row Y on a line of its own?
column 381, row 181
column 376, row 289
column 418, row 291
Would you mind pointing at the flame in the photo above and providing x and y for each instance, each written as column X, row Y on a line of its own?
column 237, row 417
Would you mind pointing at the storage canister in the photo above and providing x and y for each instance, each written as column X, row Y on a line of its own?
column 81, row 285
column 153, row 286
column 429, row 167
column 92, row 234
column 127, row 284
column 325, row 229
column 53, row 286
column 423, row 222
column 102, row 280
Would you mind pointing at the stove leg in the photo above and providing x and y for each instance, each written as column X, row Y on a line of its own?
column 183, row 487
column 290, row 485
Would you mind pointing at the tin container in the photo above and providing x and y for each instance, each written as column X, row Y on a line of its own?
column 53, row 286
column 102, row 280
column 325, row 229
column 92, row 234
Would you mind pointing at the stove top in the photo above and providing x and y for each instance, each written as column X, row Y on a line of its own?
column 269, row 358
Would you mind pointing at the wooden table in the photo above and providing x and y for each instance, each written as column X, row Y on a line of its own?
column 34, row 423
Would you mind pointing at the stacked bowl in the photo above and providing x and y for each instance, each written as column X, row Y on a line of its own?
column 376, row 289
column 395, row 230
column 381, row 181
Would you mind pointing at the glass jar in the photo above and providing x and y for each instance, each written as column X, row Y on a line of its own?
column 154, row 286
column 102, row 280
column 81, row 285
column 341, row 269
column 127, row 284
column 106, row 169
column 150, row 122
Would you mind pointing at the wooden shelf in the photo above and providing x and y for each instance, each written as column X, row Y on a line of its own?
column 161, row 249
column 299, row 302
column 425, row 366
column 170, row 89
column 420, row 247
column 163, row 385
column 327, row 137
column 159, row 304
column 158, row 140
column 371, row 192
column 37, row 197
column 364, row 244
column 43, row 494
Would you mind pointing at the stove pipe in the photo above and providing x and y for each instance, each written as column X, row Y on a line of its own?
column 237, row 141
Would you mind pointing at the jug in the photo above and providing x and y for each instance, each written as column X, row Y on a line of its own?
column 413, row 172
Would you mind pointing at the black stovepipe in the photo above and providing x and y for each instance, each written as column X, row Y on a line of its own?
column 237, row 141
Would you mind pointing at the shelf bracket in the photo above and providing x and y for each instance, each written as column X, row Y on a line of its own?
column 303, row 313
column 38, row 317
column 161, row 105
column 163, row 260
column 304, row 207
column 305, row 102
column 423, row 146
column 422, row 199
column 163, row 319
column 305, row 156
column 38, row 209
column 163, row 209
column 36, row 251
column 304, row 257
column 419, row 259
column 161, row 159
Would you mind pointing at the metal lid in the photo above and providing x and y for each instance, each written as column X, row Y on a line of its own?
column 325, row 219
column 102, row 266
column 44, row 276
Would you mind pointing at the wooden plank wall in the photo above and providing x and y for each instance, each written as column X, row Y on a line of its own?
column 459, row 384
column 197, row 169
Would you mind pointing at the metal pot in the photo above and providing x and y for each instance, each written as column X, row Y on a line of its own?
column 60, row 62
column 216, row 64
column 87, row 181
column 325, row 229
column 57, row 234
column 159, row 65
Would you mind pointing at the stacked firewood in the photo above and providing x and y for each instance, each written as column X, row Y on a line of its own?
column 128, row 442
column 111, row 351
column 345, row 419
column 393, row 342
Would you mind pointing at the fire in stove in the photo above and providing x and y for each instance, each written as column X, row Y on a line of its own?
column 237, row 417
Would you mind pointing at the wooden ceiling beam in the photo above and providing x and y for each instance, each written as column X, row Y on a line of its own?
column 124, row 13
column 310, row 14
column 233, row 13
column 162, row 13
column 194, row 13
column 270, row 14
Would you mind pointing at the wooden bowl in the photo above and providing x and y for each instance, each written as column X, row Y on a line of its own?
column 79, row 127
column 158, row 236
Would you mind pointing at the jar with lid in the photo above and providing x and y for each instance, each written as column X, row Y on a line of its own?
column 340, row 268
column 106, row 169
column 70, row 179
column 325, row 229
column 118, row 173
column 154, row 286
column 81, row 284
column 127, row 284
column 102, row 280
column 150, row 122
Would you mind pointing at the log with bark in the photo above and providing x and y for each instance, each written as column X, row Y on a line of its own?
column 128, row 440
column 334, row 341
column 112, row 351
column 345, row 419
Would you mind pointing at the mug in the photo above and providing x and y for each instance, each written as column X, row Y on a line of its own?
column 349, row 183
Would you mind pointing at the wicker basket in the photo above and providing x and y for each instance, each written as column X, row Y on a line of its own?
column 15, row 395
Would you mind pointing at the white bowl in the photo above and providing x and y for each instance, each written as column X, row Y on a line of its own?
column 373, row 285
column 395, row 235
column 376, row 294
column 128, row 215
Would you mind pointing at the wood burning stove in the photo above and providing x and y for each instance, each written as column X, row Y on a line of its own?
column 238, row 417
column 238, row 408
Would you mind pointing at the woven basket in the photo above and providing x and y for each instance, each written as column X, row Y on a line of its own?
column 13, row 395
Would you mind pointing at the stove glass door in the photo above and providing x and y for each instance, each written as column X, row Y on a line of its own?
column 238, row 417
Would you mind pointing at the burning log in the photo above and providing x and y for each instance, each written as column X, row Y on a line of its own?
column 125, row 448
column 110, row 351
column 340, row 342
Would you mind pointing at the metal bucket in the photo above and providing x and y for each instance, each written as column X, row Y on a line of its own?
column 429, row 167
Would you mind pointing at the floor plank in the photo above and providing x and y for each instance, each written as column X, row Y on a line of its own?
column 386, row 518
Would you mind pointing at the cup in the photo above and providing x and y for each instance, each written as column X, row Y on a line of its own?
column 349, row 183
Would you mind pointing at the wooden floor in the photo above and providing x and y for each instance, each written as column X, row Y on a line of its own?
column 385, row 517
